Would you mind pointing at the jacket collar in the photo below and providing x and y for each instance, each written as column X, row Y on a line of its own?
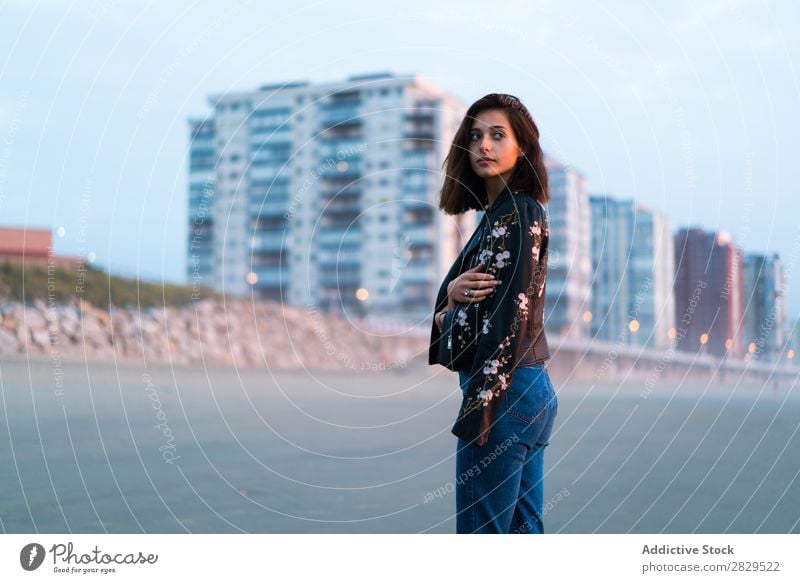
column 503, row 194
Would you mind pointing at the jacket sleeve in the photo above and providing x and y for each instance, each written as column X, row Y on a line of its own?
column 512, row 257
column 441, row 297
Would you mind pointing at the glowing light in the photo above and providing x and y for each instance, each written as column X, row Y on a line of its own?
column 587, row 316
column 341, row 166
column 751, row 348
column 634, row 325
column 729, row 343
column 362, row 294
column 672, row 333
column 790, row 354
column 251, row 278
column 703, row 338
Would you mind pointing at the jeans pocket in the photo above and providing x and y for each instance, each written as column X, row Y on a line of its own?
column 528, row 396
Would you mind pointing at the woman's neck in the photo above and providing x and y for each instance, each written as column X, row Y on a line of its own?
column 494, row 185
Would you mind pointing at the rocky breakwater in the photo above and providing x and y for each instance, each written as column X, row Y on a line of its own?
column 234, row 333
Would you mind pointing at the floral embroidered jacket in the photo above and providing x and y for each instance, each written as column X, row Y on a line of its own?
column 512, row 239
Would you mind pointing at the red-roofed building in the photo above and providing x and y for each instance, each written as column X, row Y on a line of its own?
column 31, row 247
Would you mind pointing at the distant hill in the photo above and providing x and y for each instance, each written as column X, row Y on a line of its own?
column 65, row 286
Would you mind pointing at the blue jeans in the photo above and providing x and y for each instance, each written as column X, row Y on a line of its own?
column 500, row 485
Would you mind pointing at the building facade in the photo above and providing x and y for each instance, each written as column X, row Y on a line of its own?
column 764, row 306
column 633, row 267
column 32, row 246
column 569, row 268
column 708, row 293
column 325, row 195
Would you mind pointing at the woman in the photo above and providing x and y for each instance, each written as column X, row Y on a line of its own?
column 496, row 165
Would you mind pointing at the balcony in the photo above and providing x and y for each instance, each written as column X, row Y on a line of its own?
column 415, row 201
column 338, row 237
column 339, row 258
column 419, row 160
column 339, row 207
column 269, row 208
column 268, row 242
column 418, row 272
column 340, row 148
column 340, row 278
column 421, row 116
column 340, row 115
column 342, row 170
column 420, row 234
column 349, row 193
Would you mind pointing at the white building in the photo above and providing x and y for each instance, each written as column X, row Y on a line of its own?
column 568, row 287
column 764, row 286
column 633, row 260
column 325, row 195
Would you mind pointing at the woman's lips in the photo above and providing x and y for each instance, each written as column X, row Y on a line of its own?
column 485, row 161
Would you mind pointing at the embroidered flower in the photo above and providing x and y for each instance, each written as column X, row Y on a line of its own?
column 462, row 317
column 503, row 379
column 498, row 231
column 486, row 325
column 491, row 368
column 522, row 304
column 500, row 258
column 485, row 396
column 535, row 229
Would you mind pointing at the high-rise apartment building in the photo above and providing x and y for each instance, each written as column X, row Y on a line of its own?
column 633, row 269
column 764, row 306
column 325, row 195
column 708, row 292
column 569, row 265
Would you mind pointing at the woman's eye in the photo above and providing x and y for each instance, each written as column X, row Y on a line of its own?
column 498, row 134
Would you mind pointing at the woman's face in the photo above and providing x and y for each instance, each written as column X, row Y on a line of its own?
column 493, row 148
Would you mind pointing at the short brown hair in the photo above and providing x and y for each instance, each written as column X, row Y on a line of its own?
column 463, row 189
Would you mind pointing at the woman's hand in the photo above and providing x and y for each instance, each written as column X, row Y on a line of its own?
column 479, row 284
column 439, row 319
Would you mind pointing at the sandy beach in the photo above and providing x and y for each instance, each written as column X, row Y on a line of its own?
column 108, row 447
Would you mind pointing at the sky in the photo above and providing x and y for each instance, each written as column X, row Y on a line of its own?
column 691, row 108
